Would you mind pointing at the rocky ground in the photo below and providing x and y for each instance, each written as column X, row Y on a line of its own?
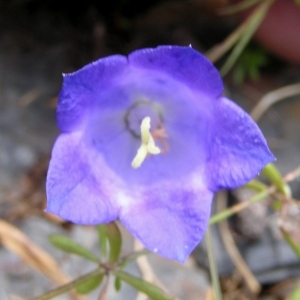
column 41, row 40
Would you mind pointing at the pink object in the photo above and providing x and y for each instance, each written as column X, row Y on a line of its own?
column 280, row 30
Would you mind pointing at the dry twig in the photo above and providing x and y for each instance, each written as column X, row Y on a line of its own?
column 14, row 240
column 272, row 97
column 232, row 249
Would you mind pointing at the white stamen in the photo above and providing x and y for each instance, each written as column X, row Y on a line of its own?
column 147, row 146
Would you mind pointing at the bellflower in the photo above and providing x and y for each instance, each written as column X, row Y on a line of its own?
column 148, row 139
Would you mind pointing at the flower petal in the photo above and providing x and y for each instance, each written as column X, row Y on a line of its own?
column 171, row 219
column 83, row 87
column 183, row 64
column 237, row 149
column 78, row 183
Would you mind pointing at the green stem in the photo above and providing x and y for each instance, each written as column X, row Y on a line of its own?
column 233, row 210
column 256, row 185
column 272, row 173
column 132, row 257
column 212, row 265
column 256, row 198
column 291, row 242
column 69, row 286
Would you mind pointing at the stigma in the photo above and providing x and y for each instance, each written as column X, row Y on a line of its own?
column 147, row 147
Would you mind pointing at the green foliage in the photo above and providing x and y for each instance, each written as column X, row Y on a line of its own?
column 89, row 285
column 147, row 288
column 249, row 63
column 295, row 294
column 117, row 284
column 114, row 240
column 256, row 185
column 272, row 173
column 65, row 244
column 110, row 232
column 291, row 242
column 132, row 257
column 248, row 29
column 298, row 4
column 102, row 234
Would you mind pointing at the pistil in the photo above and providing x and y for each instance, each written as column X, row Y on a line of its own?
column 147, row 147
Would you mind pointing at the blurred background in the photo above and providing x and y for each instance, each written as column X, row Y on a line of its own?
column 40, row 40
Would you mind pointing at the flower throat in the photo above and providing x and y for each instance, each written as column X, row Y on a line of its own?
column 139, row 116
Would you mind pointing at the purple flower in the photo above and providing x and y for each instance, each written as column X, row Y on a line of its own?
column 148, row 139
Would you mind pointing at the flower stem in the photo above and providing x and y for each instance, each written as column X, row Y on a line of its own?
column 242, row 205
column 256, row 198
column 69, row 286
column 212, row 265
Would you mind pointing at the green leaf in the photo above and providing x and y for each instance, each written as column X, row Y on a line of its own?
column 117, row 284
column 65, row 244
column 114, row 240
column 297, row 3
column 249, row 64
column 147, row 288
column 102, row 240
column 89, row 285
column 239, row 74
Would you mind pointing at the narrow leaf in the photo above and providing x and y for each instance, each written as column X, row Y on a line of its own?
column 89, row 285
column 147, row 288
column 65, row 244
column 115, row 241
column 102, row 233
column 117, row 284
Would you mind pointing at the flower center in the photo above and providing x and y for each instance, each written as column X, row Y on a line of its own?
column 139, row 117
